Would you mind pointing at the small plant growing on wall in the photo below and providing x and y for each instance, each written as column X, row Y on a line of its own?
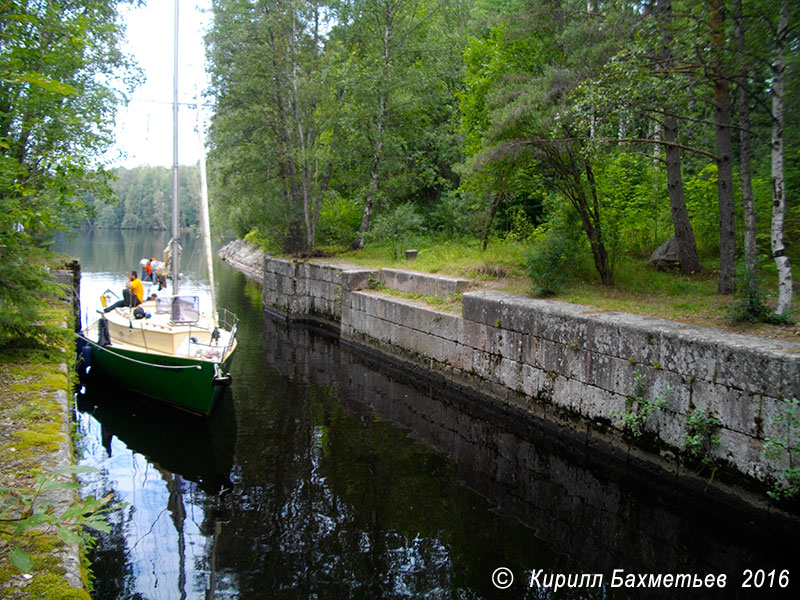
column 374, row 283
column 639, row 407
column 25, row 513
column 702, row 435
column 786, row 444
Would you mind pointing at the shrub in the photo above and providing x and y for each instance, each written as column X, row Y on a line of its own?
column 785, row 446
column 454, row 215
column 547, row 262
column 749, row 305
column 339, row 220
column 396, row 226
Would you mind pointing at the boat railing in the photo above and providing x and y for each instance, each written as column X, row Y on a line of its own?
column 229, row 322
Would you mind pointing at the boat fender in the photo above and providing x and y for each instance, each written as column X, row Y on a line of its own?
column 103, row 337
column 85, row 362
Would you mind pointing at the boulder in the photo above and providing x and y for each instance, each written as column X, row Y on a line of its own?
column 666, row 256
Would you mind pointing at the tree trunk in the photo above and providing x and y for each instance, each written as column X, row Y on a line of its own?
column 369, row 203
column 496, row 201
column 594, row 231
column 567, row 167
column 727, row 231
column 778, row 180
column 684, row 234
column 748, row 205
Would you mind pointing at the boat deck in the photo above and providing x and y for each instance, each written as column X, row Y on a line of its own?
column 159, row 334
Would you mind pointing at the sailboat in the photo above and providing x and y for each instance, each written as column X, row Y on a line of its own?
column 166, row 348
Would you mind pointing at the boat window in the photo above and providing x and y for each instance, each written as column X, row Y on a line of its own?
column 163, row 305
column 185, row 309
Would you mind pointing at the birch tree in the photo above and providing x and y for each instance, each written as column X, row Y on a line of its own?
column 403, row 64
column 777, row 159
column 270, row 142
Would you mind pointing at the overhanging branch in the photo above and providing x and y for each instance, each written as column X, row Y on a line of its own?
column 548, row 141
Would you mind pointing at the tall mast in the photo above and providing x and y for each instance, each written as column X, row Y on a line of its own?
column 176, row 234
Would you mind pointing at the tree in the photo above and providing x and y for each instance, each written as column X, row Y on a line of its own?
column 684, row 234
column 58, row 61
column 534, row 118
column 402, row 66
column 719, row 77
column 748, row 203
column 777, row 154
column 270, row 142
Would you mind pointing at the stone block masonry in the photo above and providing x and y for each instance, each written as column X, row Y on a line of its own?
column 310, row 292
column 570, row 364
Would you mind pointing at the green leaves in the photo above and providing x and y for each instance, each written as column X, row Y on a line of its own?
column 55, row 119
column 37, row 79
column 397, row 226
column 50, row 504
column 20, row 559
column 783, row 449
column 360, row 109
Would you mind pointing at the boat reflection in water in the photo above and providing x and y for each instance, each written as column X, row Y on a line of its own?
column 169, row 468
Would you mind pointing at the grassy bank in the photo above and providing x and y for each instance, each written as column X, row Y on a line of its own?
column 638, row 289
column 34, row 440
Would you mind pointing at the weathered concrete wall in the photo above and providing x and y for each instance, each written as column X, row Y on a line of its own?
column 566, row 363
column 244, row 257
column 307, row 291
column 422, row 283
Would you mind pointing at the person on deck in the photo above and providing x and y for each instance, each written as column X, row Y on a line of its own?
column 132, row 295
column 149, row 274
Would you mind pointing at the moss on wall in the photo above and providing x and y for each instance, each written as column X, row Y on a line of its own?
column 32, row 431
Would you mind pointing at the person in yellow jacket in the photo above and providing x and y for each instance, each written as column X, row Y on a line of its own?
column 134, row 285
column 132, row 295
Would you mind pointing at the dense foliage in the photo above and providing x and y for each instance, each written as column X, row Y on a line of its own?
column 58, row 60
column 143, row 199
column 646, row 119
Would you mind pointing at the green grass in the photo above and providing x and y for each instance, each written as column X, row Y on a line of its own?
column 456, row 258
column 638, row 289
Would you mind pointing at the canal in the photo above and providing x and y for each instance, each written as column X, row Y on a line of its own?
column 324, row 473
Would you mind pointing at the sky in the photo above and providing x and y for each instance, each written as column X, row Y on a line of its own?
column 144, row 127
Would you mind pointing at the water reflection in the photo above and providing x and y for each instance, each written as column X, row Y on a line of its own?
column 582, row 513
column 327, row 474
column 170, row 468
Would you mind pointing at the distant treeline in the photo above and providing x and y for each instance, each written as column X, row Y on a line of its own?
column 142, row 199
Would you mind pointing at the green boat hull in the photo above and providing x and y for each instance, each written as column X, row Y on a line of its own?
column 184, row 383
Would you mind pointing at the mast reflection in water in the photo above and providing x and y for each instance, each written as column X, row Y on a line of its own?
column 168, row 467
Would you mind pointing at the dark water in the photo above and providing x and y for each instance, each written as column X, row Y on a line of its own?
column 326, row 474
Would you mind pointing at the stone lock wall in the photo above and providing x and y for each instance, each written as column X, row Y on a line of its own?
column 310, row 291
column 568, row 363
